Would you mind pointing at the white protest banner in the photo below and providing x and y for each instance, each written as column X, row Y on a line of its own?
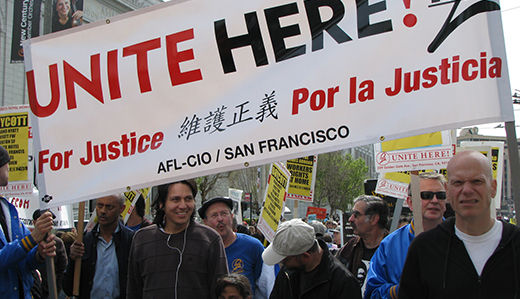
column 28, row 202
column 303, row 178
column 262, row 81
column 274, row 200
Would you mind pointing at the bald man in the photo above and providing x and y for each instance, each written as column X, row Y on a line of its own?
column 471, row 255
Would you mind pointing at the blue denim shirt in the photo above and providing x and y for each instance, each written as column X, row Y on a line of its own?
column 106, row 277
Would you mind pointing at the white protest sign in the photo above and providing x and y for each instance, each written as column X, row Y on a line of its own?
column 391, row 188
column 28, row 202
column 435, row 157
column 262, row 81
column 236, row 196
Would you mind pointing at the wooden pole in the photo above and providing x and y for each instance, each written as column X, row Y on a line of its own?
column 51, row 277
column 79, row 238
column 397, row 214
column 416, row 203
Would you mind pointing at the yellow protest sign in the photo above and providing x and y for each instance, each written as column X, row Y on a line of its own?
column 413, row 142
column 131, row 199
column 303, row 174
column 14, row 134
column 274, row 200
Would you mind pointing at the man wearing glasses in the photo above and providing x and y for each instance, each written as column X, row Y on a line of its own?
column 388, row 261
column 243, row 252
column 104, row 254
column 369, row 220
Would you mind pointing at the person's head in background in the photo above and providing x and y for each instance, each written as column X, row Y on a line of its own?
column 233, row 286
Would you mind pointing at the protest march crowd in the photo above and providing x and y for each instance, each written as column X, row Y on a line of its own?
column 468, row 255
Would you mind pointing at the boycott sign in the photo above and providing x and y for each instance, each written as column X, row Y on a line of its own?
column 303, row 176
column 274, row 201
column 14, row 137
column 265, row 81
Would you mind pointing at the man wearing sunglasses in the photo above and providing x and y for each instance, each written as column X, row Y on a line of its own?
column 471, row 255
column 369, row 220
column 388, row 261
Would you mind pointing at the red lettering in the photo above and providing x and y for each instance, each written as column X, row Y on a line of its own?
column 36, row 108
column 299, row 97
column 93, row 86
column 466, row 75
column 157, row 139
column 141, row 52
column 141, row 146
column 113, row 75
column 175, row 58
column 42, row 159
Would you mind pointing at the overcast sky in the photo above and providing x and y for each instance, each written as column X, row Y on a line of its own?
column 511, row 23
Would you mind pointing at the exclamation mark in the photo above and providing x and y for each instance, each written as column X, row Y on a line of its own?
column 410, row 19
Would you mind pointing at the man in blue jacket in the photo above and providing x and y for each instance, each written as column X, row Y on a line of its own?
column 388, row 261
column 21, row 251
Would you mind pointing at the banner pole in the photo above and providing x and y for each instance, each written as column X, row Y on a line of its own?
column 51, row 277
column 79, row 238
column 514, row 166
column 416, row 203
column 397, row 214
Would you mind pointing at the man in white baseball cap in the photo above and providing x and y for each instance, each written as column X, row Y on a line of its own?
column 309, row 270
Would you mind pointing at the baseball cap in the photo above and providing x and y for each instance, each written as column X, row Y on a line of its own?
column 319, row 228
column 292, row 237
column 202, row 210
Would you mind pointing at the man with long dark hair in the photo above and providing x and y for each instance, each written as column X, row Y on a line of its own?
column 176, row 257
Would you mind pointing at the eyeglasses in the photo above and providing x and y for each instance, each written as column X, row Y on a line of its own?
column 222, row 214
column 357, row 214
column 427, row 195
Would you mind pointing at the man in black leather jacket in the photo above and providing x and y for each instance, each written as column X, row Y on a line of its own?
column 309, row 270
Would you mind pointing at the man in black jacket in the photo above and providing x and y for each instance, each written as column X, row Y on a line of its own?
column 309, row 270
column 471, row 255
column 104, row 254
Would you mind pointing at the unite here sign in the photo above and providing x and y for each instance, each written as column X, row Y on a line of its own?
column 195, row 87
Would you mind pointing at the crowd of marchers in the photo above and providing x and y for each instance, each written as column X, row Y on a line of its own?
column 468, row 255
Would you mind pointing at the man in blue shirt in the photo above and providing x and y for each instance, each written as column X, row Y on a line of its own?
column 387, row 263
column 104, row 254
column 244, row 253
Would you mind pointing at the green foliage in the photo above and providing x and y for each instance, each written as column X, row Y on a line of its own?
column 339, row 179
